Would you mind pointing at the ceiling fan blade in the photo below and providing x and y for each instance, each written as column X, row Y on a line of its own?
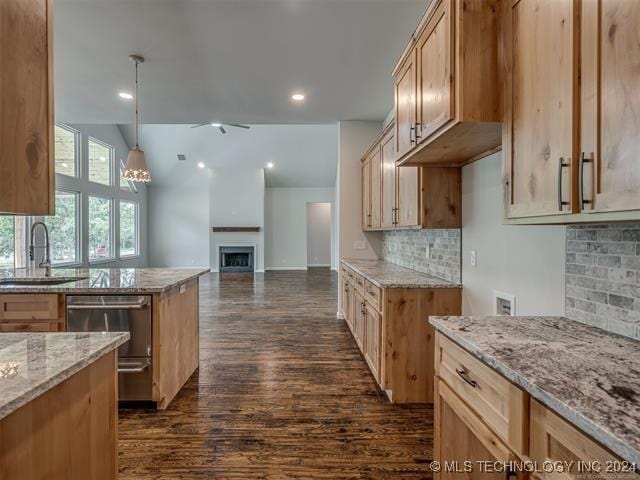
column 221, row 128
column 239, row 125
column 201, row 125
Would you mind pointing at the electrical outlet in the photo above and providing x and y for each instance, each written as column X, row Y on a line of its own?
column 504, row 303
column 360, row 245
column 474, row 258
column 428, row 252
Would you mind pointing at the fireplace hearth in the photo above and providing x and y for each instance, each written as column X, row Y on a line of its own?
column 236, row 259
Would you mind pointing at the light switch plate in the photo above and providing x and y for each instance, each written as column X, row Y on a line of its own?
column 474, row 258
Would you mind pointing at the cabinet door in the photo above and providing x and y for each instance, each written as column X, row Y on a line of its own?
column 610, row 124
column 347, row 304
column 372, row 340
column 460, row 436
column 408, row 214
column 27, row 177
column 405, row 93
column 375, row 187
column 388, row 149
column 435, row 71
column 366, row 195
column 359, row 320
column 539, row 128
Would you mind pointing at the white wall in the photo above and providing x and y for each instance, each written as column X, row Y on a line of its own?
column 237, row 198
column 111, row 135
column 286, row 225
column 527, row 261
column 319, row 234
column 355, row 137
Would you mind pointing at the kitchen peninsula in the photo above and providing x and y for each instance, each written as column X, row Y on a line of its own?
column 162, row 305
column 58, row 402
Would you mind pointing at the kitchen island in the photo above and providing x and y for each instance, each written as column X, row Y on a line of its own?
column 58, row 405
column 32, row 302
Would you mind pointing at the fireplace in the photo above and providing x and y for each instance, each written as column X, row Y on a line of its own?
column 236, row 259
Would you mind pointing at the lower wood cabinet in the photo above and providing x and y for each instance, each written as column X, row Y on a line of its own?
column 32, row 313
column 463, row 442
column 390, row 327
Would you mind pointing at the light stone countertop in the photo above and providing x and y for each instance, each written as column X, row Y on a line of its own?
column 33, row 363
column 588, row 376
column 389, row 275
column 101, row 280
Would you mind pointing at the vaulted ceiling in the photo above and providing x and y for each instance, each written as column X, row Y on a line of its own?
column 229, row 60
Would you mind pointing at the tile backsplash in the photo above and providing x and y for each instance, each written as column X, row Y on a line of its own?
column 408, row 248
column 603, row 276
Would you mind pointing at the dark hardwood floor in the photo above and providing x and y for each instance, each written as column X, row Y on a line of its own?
column 282, row 392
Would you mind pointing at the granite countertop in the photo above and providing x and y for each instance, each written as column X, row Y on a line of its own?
column 587, row 375
column 100, row 280
column 389, row 275
column 32, row 363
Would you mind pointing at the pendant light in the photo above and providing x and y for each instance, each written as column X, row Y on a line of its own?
column 136, row 169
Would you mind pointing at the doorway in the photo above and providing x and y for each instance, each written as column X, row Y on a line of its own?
column 318, row 234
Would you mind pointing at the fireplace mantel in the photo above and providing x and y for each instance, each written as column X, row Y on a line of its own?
column 235, row 229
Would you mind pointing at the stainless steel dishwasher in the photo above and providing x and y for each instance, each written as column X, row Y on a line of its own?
column 129, row 313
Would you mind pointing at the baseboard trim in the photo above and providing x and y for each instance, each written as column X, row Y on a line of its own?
column 286, row 268
column 319, row 265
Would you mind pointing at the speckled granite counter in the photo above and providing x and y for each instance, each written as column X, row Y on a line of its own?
column 101, row 280
column 389, row 275
column 586, row 375
column 33, row 363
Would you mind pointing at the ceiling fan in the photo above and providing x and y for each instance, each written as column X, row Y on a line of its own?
column 220, row 126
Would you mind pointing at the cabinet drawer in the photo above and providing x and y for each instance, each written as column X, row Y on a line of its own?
column 501, row 405
column 359, row 283
column 29, row 307
column 373, row 295
column 555, row 440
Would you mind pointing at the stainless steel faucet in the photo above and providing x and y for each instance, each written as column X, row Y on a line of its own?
column 46, row 263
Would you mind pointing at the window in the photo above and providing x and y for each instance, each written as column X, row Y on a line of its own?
column 100, row 236
column 64, row 229
column 100, row 162
column 7, row 242
column 66, row 151
column 128, row 229
column 125, row 185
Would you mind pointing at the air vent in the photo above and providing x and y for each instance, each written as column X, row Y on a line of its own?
column 181, row 157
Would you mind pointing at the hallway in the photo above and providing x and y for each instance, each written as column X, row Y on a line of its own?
column 282, row 392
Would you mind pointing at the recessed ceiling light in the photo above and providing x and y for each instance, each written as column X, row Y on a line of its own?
column 125, row 95
column 270, row 165
column 201, row 165
column 298, row 97
column 216, row 124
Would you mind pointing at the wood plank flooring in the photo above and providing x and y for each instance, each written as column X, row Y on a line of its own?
column 282, row 392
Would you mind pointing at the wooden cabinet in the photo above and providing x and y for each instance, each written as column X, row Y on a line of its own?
column 554, row 440
column 389, row 327
column 27, row 172
column 372, row 340
column 463, row 440
column 32, row 313
column 570, row 135
column 447, row 86
column 407, row 197
column 610, row 107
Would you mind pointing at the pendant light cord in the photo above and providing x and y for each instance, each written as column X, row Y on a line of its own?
column 137, row 146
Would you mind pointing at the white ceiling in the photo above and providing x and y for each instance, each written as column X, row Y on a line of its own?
column 230, row 60
column 303, row 155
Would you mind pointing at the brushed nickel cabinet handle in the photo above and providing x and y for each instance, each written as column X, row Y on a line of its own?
column 416, row 130
column 583, row 160
column 561, row 164
column 464, row 376
column 412, row 129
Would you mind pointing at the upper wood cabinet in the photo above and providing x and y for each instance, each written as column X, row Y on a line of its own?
column 397, row 197
column 447, row 86
column 571, row 138
column 27, row 175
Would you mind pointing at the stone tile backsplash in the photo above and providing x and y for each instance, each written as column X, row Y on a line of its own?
column 408, row 248
column 603, row 276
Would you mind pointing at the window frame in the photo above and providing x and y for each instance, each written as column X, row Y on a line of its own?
column 136, row 224
column 111, row 161
column 79, row 249
column 77, row 153
column 112, row 222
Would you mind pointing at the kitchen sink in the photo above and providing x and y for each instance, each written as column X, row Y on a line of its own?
column 38, row 281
